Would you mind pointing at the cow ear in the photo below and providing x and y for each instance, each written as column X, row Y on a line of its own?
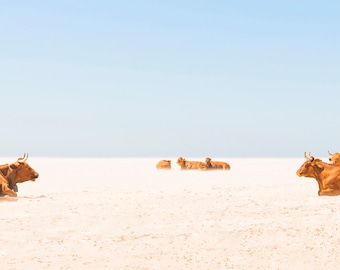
column 317, row 163
column 14, row 165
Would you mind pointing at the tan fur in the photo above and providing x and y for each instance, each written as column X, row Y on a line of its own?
column 164, row 164
column 191, row 165
column 217, row 165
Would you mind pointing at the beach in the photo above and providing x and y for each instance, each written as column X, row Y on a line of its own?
column 123, row 213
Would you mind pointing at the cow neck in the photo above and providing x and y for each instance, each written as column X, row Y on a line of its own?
column 318, row 176
column 318, row 179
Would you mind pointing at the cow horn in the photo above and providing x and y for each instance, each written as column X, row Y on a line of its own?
column 23, row 159
column 304, row 154
column 330, row 153
column 311, row 158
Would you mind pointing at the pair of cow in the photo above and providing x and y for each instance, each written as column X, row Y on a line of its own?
column 17, row 172
column 327, row 175
column 194, row 165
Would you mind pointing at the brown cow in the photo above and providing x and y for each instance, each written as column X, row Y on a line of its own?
column 327, row 175
column 217, row 165
column 335, row 158
column 17, row 172
column 164, row 164
column 191, row 165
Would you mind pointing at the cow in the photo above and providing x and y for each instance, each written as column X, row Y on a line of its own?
column 17, row 172
column 164, row 164
column 217, row 165
column 327, row 175
column 335, row 158
column 191, row 165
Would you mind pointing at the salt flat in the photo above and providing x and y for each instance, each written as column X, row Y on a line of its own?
column 123, row 213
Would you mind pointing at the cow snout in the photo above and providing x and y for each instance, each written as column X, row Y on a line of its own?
column 35, row 175
column 330, row 159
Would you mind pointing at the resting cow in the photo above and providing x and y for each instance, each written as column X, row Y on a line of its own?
column 17, row 172
column 164, row 164
column 327, row 175
column 335, row 158
column 217, row 165
column 191, row 165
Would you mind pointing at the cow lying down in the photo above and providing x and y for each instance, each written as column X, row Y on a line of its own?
column 164, row 164
column 216, row 165
column 191, row 165
column 17, row 172
column 326, row 175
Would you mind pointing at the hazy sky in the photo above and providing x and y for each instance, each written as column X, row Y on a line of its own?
column 169, row 78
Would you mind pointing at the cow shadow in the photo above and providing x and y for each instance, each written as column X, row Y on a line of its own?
column 8, row 199
column 30, row 197
column 5, row 198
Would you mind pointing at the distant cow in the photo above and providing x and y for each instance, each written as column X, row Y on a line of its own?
column 217, row 165
column 327, row 175
column 164, row 164
column 335, row 158
column 191, row 165
column 17, row 172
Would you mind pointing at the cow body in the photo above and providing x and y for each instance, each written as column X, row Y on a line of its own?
column 326, row 175
column 17, row 172
column 217, row 165
column 164, row 164
column 5, row 187
column 191, row 165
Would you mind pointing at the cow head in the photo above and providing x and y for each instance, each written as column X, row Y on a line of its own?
column 20, row 171
column 335, row 158
column 181, row 162
column 208, row 161
column 309, row 167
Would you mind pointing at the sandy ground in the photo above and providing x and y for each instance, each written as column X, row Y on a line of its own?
column 125, row 214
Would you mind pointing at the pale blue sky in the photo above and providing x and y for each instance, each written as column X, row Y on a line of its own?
column 169, row 78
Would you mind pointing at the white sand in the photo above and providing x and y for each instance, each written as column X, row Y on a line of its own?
column 125, row 214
